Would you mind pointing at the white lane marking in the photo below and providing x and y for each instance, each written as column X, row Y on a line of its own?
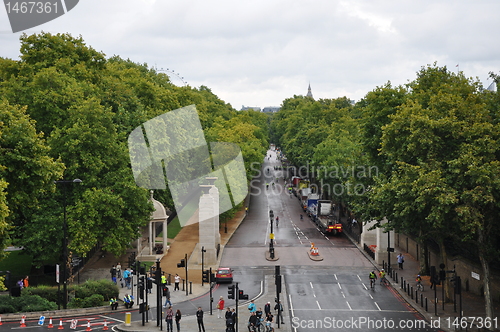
column 342, row 294
column 348, row 305
column 377, row 306
column 310, row 283
column 335, row 277
column 339, row 285
column 318, row 305
column 291, row 304
column 371, row 297
column 359, row 277
column 365, row 286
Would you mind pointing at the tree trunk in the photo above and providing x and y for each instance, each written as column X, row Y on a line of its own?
column 488, row 302
column 444, row 259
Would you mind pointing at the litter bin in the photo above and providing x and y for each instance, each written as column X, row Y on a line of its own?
column 128, row 319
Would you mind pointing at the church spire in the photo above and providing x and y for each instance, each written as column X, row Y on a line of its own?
column 309, row 93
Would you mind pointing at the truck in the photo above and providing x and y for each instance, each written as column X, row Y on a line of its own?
column 312, row 205
column 325, row 219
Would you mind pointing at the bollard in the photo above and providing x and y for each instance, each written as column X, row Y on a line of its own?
column 190, row 287
column 396, row 276
column 401, row 282
column 416, row 296
column 411, row 291
column 421, row 300
column 183, row 283
column 128, row 319
column 426, row 307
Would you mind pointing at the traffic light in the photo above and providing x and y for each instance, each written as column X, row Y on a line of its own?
column 182, row 263
column 278, row 284
column 141, row 287
column 206, row 276
column 241, row 295
column 230, row 292
column 458, row 286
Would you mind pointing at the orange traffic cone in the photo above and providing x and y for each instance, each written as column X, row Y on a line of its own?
column 60, row 324
column 88, row 326
column 50, row 323
column 105, row 328
column 1, row 320
column 23, row 321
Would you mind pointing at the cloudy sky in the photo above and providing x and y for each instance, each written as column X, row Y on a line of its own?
column 257, row 53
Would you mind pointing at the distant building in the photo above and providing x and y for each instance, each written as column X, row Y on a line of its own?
column 255, row 108
column 309, row 93
column 271, row 109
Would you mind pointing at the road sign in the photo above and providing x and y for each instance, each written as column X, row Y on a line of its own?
column 41, row 320
column 271, row 236
column 74, row 324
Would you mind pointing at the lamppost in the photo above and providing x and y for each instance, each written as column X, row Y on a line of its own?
column 65, row 241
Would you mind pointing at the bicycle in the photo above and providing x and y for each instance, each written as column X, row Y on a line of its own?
column 384, row 281
column 372, row 283
column 420, row 287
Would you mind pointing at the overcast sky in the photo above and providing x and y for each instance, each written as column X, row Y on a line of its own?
column 257, row 53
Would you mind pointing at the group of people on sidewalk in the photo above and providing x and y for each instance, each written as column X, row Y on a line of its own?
column 170, row 317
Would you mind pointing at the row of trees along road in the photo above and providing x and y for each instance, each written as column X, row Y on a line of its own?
column 425, row 155
column 65, row 112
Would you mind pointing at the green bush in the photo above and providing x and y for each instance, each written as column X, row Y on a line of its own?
column 25, row 303
column 47, row 292
column 95, row 300
column 104, row 287
column 75, row 303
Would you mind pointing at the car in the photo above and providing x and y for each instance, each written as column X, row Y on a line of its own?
column 224, row 274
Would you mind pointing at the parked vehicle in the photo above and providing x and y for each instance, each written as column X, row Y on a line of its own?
column 325, row 218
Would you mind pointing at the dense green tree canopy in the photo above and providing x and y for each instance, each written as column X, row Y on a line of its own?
column 67, row 112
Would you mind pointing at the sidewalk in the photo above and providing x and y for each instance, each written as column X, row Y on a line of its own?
column 473, row 306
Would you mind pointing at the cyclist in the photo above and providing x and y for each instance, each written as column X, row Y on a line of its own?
column 373, row 277
column 419, row 282
column 277, row 221
column 267, row 185
column 381, row 275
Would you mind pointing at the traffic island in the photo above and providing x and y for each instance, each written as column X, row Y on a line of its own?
column 314, row 255
column 268, row 256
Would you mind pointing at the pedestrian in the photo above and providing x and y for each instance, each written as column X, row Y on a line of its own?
column 177, row 280
column 235, row 318
column 279, row 307
column 199, row 318
column 169, row 315
column 220, row 306
column 178, row 317
column 401, row 260
column 113, row 274
column 118, row 270
column 267, row 308
column 166, row 294
column 252, row 307
column 26, row 282
column 20, row 283
column 229, row 320
column 149, row 283
column 113, row 302
column 127, row 275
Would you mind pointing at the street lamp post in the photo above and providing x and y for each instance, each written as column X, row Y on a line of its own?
column 65, row 241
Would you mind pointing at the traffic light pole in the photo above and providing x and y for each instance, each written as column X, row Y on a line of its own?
column 236, row 295
column 210, row 284
column 187, row 283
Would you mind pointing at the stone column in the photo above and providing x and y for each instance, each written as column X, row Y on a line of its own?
column 214, row 193
column 206, row 225
column 151, row 238
column 165, row 236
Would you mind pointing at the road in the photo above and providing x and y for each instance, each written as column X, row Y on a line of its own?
column 321, row 295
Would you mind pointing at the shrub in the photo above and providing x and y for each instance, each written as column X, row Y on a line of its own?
column 95, row 300
column 104, row 287
column 75, row 303
column 47, row 292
